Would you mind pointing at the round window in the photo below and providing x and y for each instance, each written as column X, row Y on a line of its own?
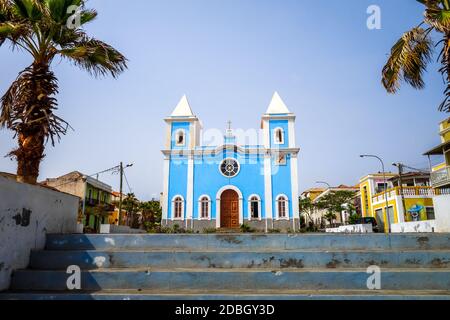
column 229, row 168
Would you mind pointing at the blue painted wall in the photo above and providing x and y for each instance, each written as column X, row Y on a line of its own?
column 208, row 179
column 177, row 181
column 281, row 184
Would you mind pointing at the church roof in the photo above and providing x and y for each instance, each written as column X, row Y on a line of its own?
column 183, row 109
column 277, row 106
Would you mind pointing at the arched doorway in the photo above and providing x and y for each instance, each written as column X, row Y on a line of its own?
column 229, row 209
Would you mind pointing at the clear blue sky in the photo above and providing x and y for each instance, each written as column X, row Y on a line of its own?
column 229, row 57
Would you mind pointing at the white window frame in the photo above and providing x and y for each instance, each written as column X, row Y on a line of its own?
column 177, row 134
column 200, row 207
column 277, row 200
column 226, row 159
column 250, row 208
column 275, row 136
column 182, row 208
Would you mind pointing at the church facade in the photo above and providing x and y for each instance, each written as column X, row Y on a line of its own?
column 226, row 186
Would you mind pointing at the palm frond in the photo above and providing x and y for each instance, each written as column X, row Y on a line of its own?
column 96, row 57
column 59, row 9
column 408, row 60
column 30, row 10
column 438, row 18
column 29, row 103
column 445, row 71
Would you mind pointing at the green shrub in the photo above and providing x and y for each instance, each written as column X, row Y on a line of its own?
column 245, row 228
column 209, row 230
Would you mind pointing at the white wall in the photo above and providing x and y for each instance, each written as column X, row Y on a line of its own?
column 414, row 227
column 442, row 213
column 50, row 212
column 357, row 228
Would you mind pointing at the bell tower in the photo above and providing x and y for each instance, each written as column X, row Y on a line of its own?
column 182, row 137
column 280, row 159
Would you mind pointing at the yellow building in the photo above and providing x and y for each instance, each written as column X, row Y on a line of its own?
column 313, row 193
column 411, row 200
column 440, row 175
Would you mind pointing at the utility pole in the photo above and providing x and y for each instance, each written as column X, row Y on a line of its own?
column 120, row 192
column 400, row 167
column 121, row 168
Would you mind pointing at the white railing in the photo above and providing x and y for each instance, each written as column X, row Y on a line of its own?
column 440, row 177
column 411, row 192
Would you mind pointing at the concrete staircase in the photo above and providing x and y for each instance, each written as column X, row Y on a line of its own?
column 227, row 266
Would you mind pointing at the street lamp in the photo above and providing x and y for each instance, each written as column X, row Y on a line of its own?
column 323, row 182
column 329, row 189
column 385, row 188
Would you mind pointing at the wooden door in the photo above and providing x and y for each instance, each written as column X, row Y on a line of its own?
column 229, row 209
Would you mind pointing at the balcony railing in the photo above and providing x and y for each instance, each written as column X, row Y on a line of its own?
column 96, row 202
column 411, row 192
column 440, row 177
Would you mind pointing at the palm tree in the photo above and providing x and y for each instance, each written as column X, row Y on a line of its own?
column 413, row 51
column 46, row 29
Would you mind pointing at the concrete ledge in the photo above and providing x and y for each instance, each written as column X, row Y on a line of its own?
column 256, row 295
column 368, row 241
column 230, row 279
column 276, row 259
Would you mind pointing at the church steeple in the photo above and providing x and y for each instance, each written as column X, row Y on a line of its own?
column 278, row 125
column 183, row 127
column 277, row 105
column 183, row 109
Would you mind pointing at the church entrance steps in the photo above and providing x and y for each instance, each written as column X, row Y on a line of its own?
column 283, row 259
column 237, row 266
column 249, row 241
column 233, row 279
column 259, row 295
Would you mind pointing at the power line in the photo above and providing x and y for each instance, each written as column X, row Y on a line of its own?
column 126, row 180
column 91, row 176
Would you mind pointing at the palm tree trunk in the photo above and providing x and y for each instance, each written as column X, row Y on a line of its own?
column 32, row 133
column 29, row 155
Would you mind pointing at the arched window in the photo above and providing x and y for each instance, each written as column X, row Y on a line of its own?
column 282, row 207
column 254, row 205
column 204, row 207
column 178, row 207
column 180, row 138
column 279, row 136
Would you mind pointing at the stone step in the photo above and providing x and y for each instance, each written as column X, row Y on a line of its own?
column 87, row 260
column 233, row 279
column 250, row 241
column 257, row 295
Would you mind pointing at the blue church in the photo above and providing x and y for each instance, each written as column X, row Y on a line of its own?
column 230, row 184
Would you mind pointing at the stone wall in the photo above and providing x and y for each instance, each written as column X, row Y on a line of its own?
column 27, row 214
column 199, row 226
